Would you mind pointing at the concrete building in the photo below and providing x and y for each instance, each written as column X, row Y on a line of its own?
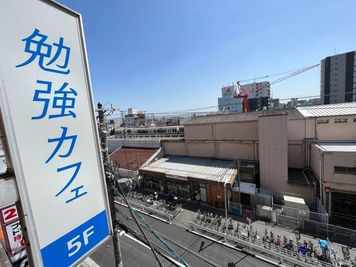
column 338, row 78
column 258, row 96
column 335, row 164
column 279, row 142
column 135, row 118
column 227, row 103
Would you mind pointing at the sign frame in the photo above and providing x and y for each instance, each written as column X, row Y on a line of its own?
column 9, row 132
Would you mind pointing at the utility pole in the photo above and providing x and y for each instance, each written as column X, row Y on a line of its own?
column 110, row 183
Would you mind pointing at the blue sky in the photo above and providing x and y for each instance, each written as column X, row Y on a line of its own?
column 165, row 55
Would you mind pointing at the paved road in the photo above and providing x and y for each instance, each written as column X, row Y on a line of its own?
column 133, row 254
column 196, row 250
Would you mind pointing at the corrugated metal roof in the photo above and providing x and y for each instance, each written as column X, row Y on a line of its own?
column 200, row 168
column 329, row 110
column 247, row 116
column 337, row 146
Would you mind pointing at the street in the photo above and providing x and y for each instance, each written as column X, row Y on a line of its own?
column 196, row 250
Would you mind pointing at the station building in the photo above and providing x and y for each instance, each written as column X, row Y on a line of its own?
column 277, row 151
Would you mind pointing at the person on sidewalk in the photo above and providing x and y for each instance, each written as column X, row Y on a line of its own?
column 197, row 197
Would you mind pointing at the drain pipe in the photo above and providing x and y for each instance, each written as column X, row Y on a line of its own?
column 225, row 200
column 321, row 163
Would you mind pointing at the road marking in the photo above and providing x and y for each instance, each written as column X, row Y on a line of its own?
column 167, row 257
column 136, row 240
column 122, row 232
column 89, row 262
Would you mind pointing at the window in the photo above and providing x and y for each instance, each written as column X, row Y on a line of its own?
column 354, row 120
column 340, row 120
column 345, row 170
column 322, row 121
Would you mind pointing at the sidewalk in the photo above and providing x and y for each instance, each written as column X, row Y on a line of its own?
column 190, row 209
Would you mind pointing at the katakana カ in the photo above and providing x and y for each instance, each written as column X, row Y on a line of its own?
column 60, row 140
column 63, row 100
column 48, row 59
column 75, row 190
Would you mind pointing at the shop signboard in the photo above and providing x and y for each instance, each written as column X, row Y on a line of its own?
column 48, row 113
column 11, row 228
column 177, row 177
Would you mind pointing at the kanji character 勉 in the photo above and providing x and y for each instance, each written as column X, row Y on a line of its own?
column 48, row 60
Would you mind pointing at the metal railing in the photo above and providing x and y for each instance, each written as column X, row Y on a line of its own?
column 335, row 233
column 301, row 213
column 243, row 235
column 158, row 207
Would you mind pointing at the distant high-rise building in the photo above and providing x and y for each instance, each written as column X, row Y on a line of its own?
column 227, row 102
column 338, row 78
column 259, row 95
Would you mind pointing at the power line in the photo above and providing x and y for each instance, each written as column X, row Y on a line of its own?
column 151, row 230
column 137, row 223
column 272, row 75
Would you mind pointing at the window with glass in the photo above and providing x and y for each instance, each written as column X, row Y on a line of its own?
column 345, row 170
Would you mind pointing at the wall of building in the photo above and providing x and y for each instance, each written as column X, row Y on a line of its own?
column 300, row 129
column 177, row 148
column 315, row 160
column 234, row 150
column 201, row 149
column 296, row 155
column 336, row 131
column 198, row 132
column 209, row 149
column 236, row 131
column 115, row 143
column 273, row 151
column 342, row 159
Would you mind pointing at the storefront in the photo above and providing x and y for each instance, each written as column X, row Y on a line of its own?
column 188, row 176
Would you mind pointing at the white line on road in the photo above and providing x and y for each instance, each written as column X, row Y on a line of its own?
column 136, row 240
column 122, row 232
column 177, row 263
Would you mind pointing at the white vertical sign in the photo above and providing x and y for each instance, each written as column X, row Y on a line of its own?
column 47, row 109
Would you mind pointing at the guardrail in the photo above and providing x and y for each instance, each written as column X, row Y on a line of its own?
column 282, row 255
column 155, row 208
